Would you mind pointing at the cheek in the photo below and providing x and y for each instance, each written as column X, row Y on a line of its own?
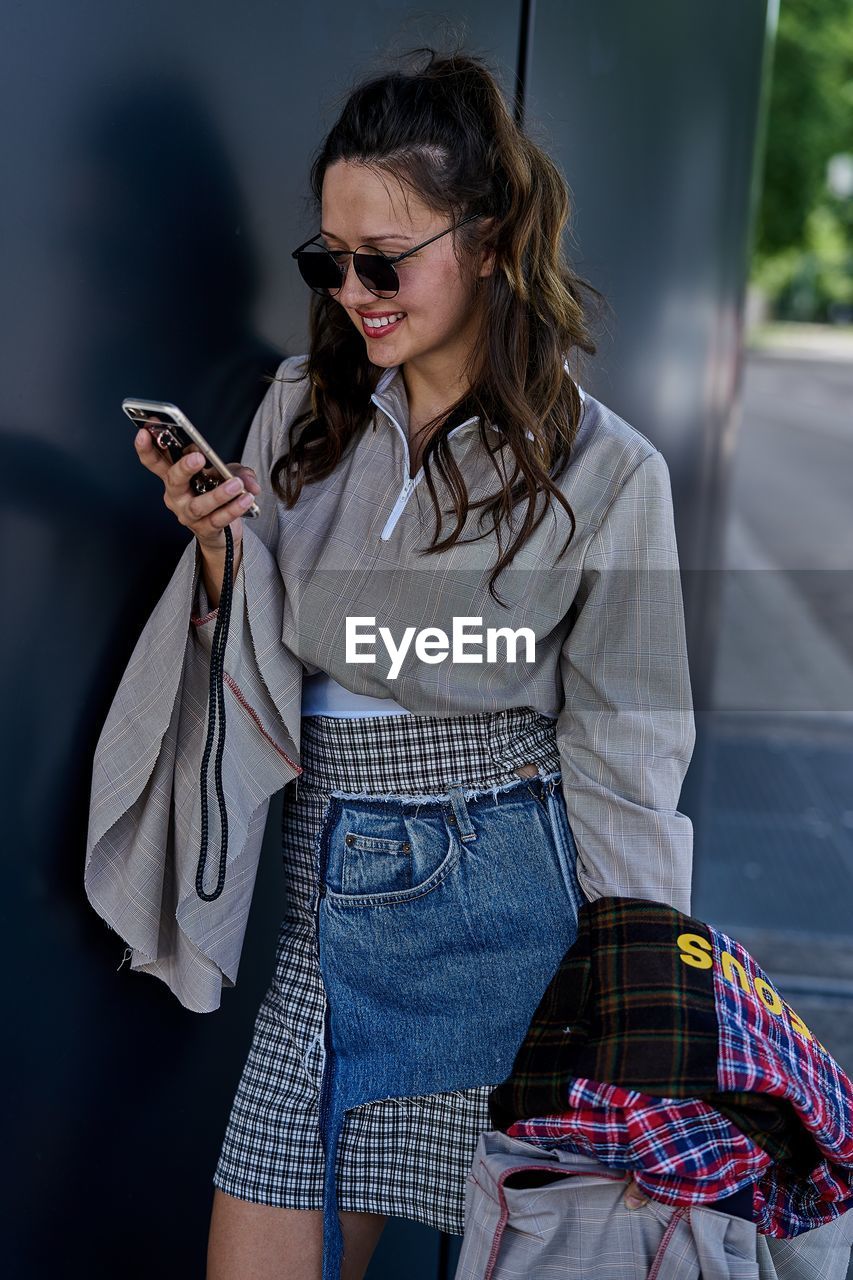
column 437, row 300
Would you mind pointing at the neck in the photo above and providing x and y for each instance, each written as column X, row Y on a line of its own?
column 433, row 383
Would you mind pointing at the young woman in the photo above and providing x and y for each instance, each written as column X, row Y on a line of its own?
column 456, row 640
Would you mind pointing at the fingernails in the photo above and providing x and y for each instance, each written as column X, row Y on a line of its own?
column 246, row 500
column 234, row 486
column 140, row 435
column 194, row 460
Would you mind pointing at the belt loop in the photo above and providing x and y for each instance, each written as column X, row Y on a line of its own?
column 460, row 812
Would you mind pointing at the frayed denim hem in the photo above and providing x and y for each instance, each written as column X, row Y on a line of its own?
column 469, row 793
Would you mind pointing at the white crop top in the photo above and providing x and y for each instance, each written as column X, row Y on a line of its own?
column 322, row 695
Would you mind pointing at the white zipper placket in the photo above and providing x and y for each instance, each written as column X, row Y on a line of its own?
column 409, row 482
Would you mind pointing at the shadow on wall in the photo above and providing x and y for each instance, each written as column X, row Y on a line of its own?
column 150, row 246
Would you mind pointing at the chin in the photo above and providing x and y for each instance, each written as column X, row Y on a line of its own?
column 383, row 352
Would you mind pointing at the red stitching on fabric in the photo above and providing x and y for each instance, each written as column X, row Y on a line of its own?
column 197, row 622
column 238, row 694
column 496, row 1242
column 657, row 1260
column 504, row 1214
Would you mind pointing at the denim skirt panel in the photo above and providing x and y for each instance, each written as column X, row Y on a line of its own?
column 413, row 854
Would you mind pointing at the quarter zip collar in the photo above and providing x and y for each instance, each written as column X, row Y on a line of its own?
column 390, row 396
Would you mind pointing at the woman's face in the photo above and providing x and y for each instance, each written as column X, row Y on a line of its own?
column 359, row 208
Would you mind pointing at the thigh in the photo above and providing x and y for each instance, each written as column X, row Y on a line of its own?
column 282, row 1244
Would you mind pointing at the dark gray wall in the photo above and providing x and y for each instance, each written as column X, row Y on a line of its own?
column 155, row 161
column 653, row 113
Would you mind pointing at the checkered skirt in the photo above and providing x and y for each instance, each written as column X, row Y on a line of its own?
column 405, row 1157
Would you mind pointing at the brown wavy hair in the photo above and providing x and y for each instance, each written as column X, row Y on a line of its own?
column 445, row 131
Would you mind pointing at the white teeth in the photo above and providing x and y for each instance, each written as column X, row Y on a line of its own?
column 385, row 320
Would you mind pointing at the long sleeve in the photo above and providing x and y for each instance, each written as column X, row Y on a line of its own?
column 626, row 732
column 144, row 834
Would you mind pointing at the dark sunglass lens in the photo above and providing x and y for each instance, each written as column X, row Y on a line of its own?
column 376, row 272
column 319, row 269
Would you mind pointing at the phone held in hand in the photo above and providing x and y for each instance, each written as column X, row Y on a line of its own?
column 172, row 433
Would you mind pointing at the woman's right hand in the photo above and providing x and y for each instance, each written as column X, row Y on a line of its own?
column 204, row 514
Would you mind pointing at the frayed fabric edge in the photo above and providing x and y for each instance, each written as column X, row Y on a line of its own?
column 470, row 793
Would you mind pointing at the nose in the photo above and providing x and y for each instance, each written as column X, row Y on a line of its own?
column 353, row 293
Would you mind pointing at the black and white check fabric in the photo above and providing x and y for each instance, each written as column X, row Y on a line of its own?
column 406, row 1157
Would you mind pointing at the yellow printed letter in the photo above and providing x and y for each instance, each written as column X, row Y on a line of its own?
column 798, row 1024
column 729, row 964
column 772, row 1000
column 697, row 950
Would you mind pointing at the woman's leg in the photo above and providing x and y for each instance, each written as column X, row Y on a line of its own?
column 249, row 1241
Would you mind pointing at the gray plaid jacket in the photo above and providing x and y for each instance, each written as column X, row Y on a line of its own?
column 610, row 662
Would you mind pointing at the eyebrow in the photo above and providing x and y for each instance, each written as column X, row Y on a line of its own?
column 371, row 239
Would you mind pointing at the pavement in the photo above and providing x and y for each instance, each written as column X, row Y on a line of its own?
column 805, row 341
column 774, row 855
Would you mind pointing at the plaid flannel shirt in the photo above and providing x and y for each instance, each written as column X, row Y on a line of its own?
column 661, row 1046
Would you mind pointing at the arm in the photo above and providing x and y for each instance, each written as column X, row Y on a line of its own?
column 144, row 832
column 626, row 732
column 212, row 568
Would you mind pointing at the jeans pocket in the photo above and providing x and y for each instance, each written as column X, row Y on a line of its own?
column 372, row 864
column 384, row 856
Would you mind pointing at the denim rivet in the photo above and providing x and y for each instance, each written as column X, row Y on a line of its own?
column 451, row 817
column 406, row 846
column 348, row 839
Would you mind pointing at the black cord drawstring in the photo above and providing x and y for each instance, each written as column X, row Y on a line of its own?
column 216, row 702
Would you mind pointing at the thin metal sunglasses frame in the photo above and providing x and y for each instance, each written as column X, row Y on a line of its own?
column 377, row 253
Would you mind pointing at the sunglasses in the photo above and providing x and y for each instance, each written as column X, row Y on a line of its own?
column 321, row 271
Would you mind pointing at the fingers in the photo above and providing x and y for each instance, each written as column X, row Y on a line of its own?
column 179, row 474
column 206, row 513
column 149, row 454
column 210, row 512
column 634, row 1197
column 220, row 506
column 228, row 494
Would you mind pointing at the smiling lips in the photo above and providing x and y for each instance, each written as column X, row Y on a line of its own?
column 376, row 325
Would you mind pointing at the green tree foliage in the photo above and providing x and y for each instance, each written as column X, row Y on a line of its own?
column 804, row 237
column 811, row 113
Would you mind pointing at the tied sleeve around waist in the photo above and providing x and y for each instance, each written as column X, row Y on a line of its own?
column 144, row 835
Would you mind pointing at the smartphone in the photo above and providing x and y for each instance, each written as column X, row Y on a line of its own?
column 172, row 434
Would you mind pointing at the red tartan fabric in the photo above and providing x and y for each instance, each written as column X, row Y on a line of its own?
column 741, row 1090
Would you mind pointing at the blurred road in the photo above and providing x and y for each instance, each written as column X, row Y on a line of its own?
column 774, row 860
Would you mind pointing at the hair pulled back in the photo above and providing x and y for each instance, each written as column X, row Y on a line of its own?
column 445, row 132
